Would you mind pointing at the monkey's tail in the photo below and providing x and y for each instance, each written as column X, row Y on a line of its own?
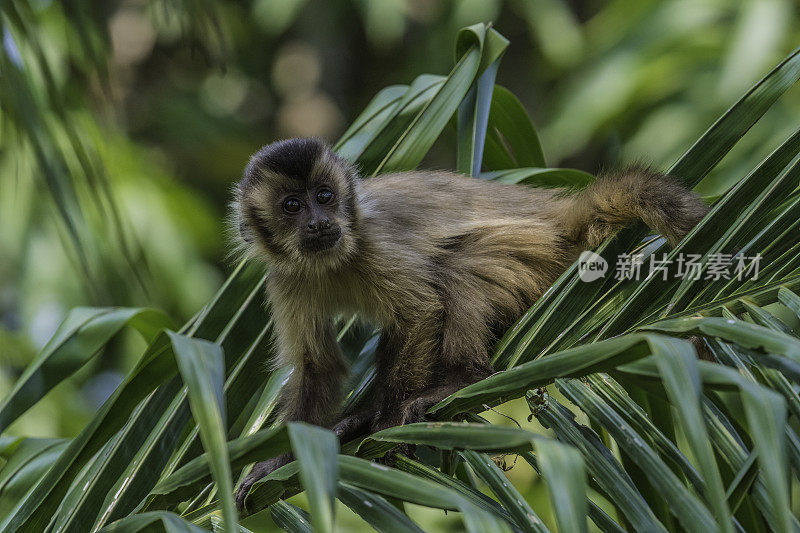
column 616, row 199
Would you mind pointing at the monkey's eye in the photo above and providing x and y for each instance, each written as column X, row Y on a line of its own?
column 291, row 205
column 324, row 196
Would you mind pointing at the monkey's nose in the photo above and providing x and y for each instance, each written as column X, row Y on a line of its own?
column 319, row 225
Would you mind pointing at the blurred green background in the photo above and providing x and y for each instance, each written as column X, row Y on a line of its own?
column 123, row 125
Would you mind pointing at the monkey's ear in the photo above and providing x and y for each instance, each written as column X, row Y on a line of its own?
column 245, row 233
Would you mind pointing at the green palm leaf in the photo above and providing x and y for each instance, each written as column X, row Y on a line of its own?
column 316, row 450
column 82, row 334
column 622, row 384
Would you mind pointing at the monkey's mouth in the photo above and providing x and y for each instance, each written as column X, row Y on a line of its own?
column 322, row 241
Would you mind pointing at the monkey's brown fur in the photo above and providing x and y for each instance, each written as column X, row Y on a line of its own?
column 438, row 260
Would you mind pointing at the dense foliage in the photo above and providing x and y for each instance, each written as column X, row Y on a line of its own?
column 627, row 426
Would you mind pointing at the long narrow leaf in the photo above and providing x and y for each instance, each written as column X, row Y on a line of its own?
column 524, row 516
column 316, row 450
column 378, row 512
column 202, row 369
column 80, row 336
column 562, row 469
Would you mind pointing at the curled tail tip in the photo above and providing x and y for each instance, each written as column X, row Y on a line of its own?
column 636, row 192
column 692, row 211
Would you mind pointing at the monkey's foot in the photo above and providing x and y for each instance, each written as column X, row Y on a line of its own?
column 355, row 425
column 408, row 412
column 259, row 471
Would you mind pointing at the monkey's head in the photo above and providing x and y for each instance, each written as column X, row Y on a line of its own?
column 296, row 204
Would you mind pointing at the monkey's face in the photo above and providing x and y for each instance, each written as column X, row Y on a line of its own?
column 296, row 203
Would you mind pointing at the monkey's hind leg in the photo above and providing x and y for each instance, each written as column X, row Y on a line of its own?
column 415, row 408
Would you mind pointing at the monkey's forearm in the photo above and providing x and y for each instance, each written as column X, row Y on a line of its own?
column 313, row 393
column 308, row 344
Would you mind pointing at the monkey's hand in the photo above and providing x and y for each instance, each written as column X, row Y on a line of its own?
column 259, row 471
column 408, row 412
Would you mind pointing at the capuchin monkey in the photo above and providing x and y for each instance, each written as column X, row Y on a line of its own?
column 438, row 260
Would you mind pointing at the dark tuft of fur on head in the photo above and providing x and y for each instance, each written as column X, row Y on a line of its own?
column 293, row 158
column 295, row 168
